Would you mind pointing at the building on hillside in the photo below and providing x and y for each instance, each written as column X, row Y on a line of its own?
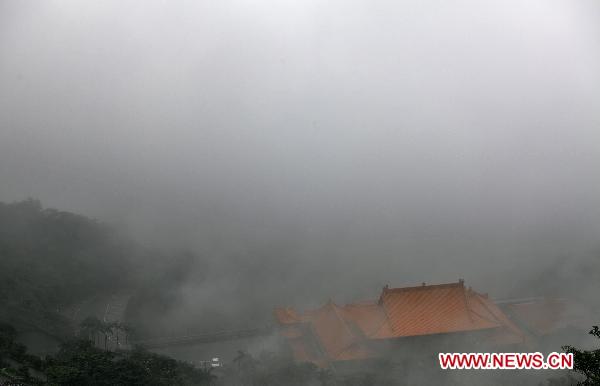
column 422, row 320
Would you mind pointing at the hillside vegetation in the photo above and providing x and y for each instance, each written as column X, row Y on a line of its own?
column 50, row 259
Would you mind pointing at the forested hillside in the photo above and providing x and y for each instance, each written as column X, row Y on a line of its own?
column 50, row 259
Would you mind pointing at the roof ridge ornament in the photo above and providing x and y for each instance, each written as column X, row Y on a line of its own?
column 385, row 290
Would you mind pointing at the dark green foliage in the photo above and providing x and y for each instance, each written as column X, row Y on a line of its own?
column 12, row 350
column 587, row 363
column 80, row 363
column 49, row 258
column 14, row 360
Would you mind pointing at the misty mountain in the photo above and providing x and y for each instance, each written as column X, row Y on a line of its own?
column 50, row 259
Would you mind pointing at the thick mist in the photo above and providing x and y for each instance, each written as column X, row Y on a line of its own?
column 307, row 150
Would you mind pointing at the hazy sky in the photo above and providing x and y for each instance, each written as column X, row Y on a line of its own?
column 398, row 141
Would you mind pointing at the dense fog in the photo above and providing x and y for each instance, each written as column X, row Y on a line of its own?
column 300, row 151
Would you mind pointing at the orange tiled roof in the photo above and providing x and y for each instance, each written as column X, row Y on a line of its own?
column 335, row 334
column 340, row 338
column 343, row 332
column 369, row 317
column 438, row 309
column 509, row 333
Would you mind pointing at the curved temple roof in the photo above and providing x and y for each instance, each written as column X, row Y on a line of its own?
column 343, row 332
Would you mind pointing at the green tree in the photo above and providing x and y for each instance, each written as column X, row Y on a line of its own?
column 80, row 363
column 587, row 362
